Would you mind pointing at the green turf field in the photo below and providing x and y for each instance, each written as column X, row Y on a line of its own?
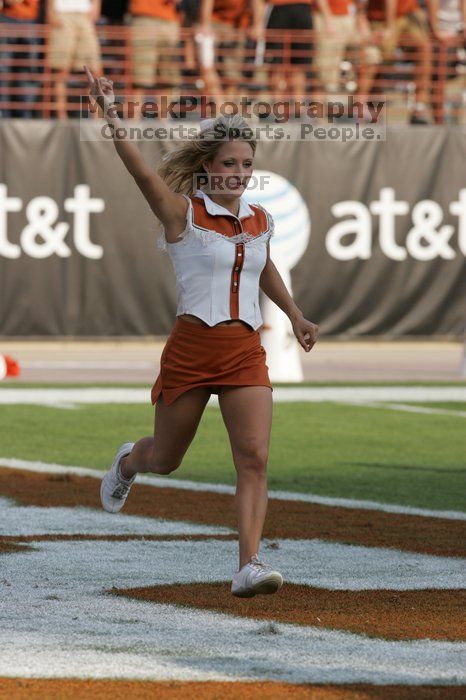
column 323, row 448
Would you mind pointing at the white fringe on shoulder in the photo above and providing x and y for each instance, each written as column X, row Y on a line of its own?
column 208, row 236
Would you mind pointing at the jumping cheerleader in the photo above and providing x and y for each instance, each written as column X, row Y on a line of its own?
column 219, row 247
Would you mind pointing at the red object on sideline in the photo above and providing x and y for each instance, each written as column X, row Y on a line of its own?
column 10, row 368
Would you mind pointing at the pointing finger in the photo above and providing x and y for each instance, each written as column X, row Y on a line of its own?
column 89, row 75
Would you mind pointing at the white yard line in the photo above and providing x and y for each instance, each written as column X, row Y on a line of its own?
column 313, row 562
column 410, row 409
column 96, row 395
column 162, row 482
column 347, row 394
column 33, row 520
column 55, row 397
column 59, row 621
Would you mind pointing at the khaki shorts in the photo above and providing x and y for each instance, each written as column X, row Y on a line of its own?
column 74, row 43
column 414, row 24
column 155, row 48
column 331, row 50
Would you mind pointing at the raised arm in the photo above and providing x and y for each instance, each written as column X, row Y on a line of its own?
column 170, row 207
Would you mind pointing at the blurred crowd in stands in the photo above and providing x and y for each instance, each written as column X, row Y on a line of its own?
column 226, row 47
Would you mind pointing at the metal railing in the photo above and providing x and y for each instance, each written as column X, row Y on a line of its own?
column 269, row 70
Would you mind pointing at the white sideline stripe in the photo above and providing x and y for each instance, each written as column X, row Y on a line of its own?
column 34, row 520
column 411, row 409
column 371, row 394
column 92, row 395
column 55, row 397
column 163, row 482
column 310, row 562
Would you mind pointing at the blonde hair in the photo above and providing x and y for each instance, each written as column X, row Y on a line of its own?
column 180, row 167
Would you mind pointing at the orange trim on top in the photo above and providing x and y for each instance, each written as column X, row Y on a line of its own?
column 235, row 280
column 226, row 224
column 229, row 225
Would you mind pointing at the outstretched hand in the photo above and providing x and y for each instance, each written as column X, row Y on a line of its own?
column 100, row 90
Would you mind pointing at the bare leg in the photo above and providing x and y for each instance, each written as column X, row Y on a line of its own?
column 174, row 430
column 212, row 85
column 247, row 414
column 423, row 71
column 61, row 96
column 298, row 83
column 367, row 76
column 277, row 81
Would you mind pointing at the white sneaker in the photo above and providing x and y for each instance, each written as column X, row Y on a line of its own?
column 114, row 488
column 255, row 577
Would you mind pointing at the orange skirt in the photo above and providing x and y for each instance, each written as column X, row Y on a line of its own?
column 212, row 357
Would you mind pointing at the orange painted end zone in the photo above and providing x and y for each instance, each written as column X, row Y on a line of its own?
column 285, row 519
column 398, row 615
column 6, row 547
column 72, row 689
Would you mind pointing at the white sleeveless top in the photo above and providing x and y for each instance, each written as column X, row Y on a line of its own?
column 219, row 260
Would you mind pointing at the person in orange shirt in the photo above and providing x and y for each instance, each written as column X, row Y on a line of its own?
column 27, row 10
column 155, row 28
column 350, row 29
column 73, row 41
column 390, row 20
column 448, row 24
column 226, row 23
column 20, row 14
